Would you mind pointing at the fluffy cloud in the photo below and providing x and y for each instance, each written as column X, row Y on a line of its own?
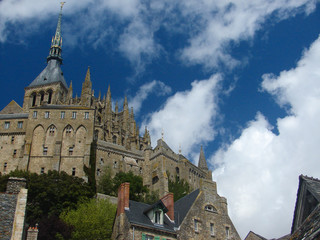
column 157, row 87
column 187, row 118
column 130, row 26
column 258, row 172
column 223, row 23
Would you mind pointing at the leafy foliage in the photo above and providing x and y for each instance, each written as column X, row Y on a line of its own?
column 179, row 188
column 138, row 192
column 49, row 194
column 91, row 170
column 91, row 220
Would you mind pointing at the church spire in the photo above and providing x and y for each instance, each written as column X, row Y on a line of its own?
column 56, row 43
column 202, row 161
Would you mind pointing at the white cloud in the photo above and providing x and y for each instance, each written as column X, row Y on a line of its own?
column 187, row 118
column 131, row 25
column 138, row 45
column 223, row 23
column 157, row 87
column 258, row 172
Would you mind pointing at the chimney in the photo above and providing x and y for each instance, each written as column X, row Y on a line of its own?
column 15, row 184
column 169, row 203
column 123, row 198
column 33, row 233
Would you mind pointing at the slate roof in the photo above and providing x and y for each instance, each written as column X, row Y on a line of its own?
column 183, row 205
column 137, row 213
column 313, row 186
column 136, row 216
column 310, row 227
column 51, row 74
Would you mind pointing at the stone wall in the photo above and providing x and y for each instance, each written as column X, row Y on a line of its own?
column 7, row 210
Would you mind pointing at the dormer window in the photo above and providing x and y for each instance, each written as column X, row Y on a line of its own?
column 158, row 216
column 210, row 208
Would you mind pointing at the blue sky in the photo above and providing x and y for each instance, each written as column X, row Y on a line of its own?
column 239, row 77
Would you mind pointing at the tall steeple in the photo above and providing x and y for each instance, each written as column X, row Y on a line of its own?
column 202, row 161
column 56, row 43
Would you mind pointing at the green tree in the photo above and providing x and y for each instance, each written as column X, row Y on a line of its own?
column 91, row 220
column 137, row 189
column 105, row 184
column 179, row 187
column 49, row 194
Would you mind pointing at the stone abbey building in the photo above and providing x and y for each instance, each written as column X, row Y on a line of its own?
column 55, row 131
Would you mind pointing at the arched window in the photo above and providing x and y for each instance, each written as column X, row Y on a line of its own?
column 41, row 97
column 34, row 98
column 49, row 96
column 114, row 139
column 52, row 130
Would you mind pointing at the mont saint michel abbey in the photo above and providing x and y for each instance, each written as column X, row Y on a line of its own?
column 55, row 131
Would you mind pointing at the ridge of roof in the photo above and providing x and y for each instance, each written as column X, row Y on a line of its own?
column 183, row 205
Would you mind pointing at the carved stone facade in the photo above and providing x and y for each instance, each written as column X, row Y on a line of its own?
column 54, row 131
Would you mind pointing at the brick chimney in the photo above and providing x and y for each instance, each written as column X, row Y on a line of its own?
column 123, row 198
column 15, row 184
column 169, row 203
column 33, row 233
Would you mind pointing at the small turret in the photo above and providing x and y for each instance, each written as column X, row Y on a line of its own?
column 70, row 93
column 86, row 93
column 202, row 161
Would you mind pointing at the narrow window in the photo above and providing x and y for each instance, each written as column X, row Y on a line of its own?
column 42, row 170
column 101, row 161
column 227, row 232
column 12, row 140
column 68, row 131
column 196, row 225
column 35, row 114
column 114, row 139
column 157, row 217
column 73, row 171
column 86, row 115
column 45, row 151
column 6, row 125
column 51, row 131
column 70, row 151
column 50, row 96
column 34, row 98
column 115, row 164
column 14, row 153
column 47, row 114
column 20, row 124
column 98, row 172
column 212, row 229
column 5, row 167
column 41, row 97
column 62, row 114
column 74, row 115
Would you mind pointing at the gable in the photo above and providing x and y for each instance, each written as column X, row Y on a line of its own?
column 12, row 108
column 308, row 198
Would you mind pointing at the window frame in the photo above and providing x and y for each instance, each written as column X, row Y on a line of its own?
column 6, row 125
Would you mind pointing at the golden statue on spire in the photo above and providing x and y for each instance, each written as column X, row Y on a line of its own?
column 62, row 3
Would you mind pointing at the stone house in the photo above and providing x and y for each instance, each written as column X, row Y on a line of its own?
column 202, row 214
